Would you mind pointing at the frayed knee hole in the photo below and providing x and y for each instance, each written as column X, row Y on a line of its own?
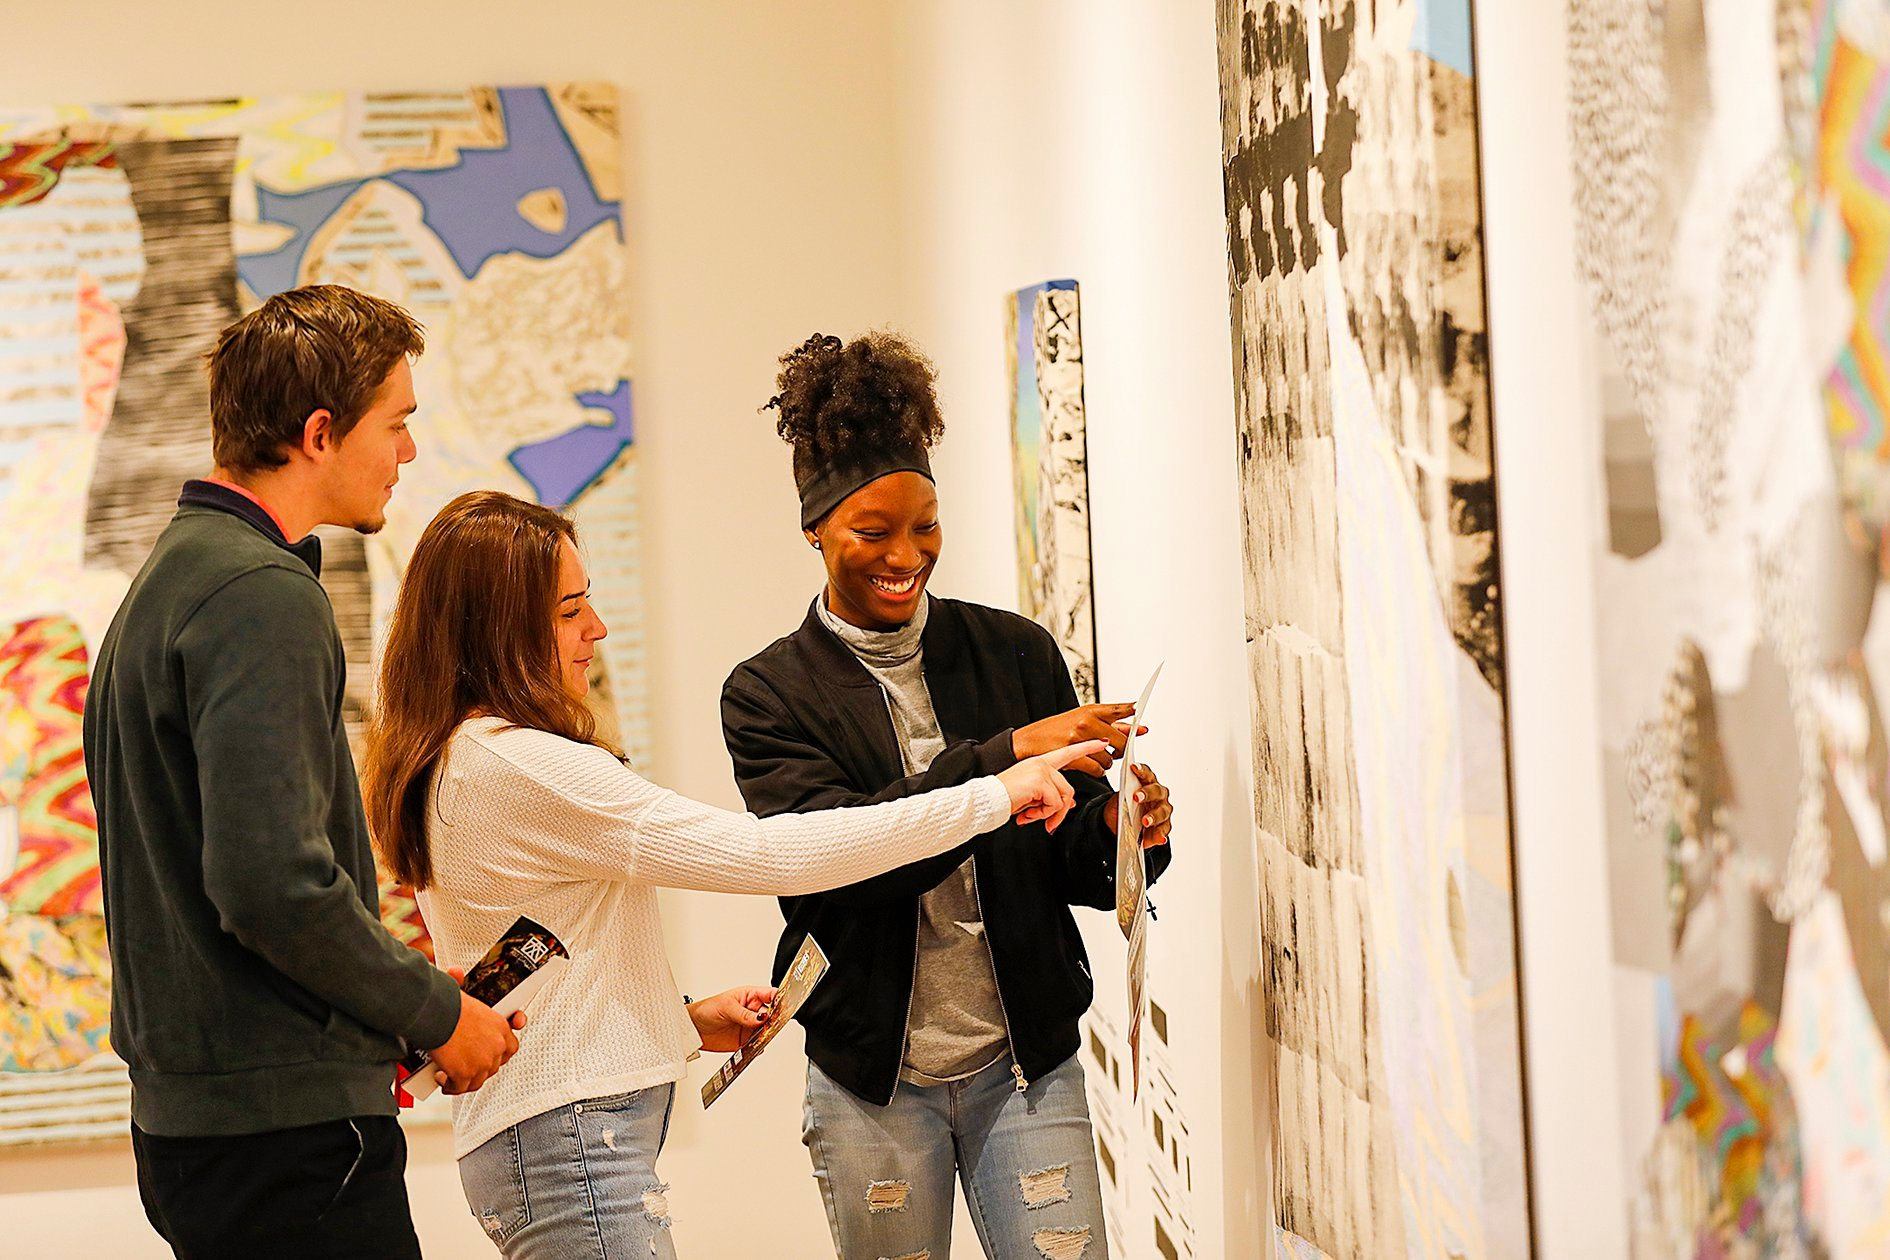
column 887, row 1196
column 1061, row 1244
column 1045, row 1187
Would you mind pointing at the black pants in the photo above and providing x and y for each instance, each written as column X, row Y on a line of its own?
column 321, row 1192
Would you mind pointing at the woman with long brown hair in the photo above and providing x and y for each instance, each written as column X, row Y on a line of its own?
column 489, row 791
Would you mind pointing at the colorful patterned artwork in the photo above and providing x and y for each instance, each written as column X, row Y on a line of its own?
column 1050, row 464
column 1373, row 611
column 1728, row 161
column 55, row 991
column 1850, row 68
column 1728, row 1091
column 43, row 676
column 129, row 236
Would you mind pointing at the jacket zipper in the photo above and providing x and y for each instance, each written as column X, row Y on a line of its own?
column 912, row 987
column 1017, row 1069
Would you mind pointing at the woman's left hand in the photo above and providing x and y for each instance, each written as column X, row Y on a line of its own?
column 1158, row 812
column 727, row 1020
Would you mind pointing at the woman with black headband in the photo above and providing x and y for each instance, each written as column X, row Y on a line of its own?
column 942, row 1043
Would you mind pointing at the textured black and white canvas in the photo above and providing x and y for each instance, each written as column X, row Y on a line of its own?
column 1374, row 627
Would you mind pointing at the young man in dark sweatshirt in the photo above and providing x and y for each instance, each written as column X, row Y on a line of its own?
column 257, row 998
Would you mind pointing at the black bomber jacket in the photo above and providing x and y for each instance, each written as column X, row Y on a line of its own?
column 808, row 728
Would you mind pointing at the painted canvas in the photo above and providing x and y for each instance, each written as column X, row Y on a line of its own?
column 1374, row 627
column 1727, row 158
column 1050, row 463
column 129, row 236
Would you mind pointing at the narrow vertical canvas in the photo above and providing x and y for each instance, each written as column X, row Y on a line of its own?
column 1050, row 463
column 1374, row 628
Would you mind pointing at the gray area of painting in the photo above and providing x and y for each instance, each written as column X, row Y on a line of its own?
column 159, row 434
column 351, row 593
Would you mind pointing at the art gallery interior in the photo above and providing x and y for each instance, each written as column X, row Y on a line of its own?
column 1482, row 421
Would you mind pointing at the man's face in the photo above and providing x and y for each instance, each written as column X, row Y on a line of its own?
column 361, row 469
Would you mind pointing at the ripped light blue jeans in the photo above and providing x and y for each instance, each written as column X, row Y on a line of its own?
column 577, row 1181
column 1027, row 1161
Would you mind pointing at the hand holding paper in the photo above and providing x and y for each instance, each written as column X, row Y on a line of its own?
column 1158, row 809
column 727, row 1020
column 809, row 965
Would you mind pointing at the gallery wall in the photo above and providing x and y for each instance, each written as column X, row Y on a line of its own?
column 1077, row 141
column 760, row 203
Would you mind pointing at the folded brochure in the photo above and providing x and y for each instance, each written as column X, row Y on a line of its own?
column 1131, row 867
column 1132, row 885
column 809, row 965
column 518, row 965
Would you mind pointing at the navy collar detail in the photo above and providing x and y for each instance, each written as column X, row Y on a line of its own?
column 209, row 494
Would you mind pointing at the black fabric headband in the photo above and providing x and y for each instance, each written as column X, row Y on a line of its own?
column 822, row 492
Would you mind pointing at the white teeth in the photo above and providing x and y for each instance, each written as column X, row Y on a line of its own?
column 894, row 588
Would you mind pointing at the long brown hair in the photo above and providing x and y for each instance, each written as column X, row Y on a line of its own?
column 471, row 633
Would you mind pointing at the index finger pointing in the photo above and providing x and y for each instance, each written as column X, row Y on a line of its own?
column 1062, row 757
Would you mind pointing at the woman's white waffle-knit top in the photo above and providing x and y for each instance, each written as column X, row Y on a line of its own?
column 527, row 822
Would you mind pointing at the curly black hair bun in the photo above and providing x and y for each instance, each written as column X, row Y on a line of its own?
column 840, row 402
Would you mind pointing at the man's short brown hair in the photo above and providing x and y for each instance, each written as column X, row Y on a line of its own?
column 323, row 346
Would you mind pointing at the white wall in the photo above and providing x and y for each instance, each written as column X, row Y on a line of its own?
column 760, row 202
column 1083, row 140
column 1548, row 417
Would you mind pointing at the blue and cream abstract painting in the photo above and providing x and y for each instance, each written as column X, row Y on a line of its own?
column 129, row 236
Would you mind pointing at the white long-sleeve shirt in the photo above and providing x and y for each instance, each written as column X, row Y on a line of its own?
column 527, row 822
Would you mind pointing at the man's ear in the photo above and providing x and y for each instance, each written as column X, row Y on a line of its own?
column 318, row 433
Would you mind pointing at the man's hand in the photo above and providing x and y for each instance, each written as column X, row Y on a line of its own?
column 1158, row 811
column 1107, row 722
column 481, row 1043
column 727, row 1020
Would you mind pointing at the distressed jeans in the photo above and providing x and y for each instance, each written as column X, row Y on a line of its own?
column 577, row 1181
column 1027, row 1161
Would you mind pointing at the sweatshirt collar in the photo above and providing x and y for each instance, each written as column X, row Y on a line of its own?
column 224, row 497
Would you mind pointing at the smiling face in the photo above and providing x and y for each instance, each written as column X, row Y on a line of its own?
column 880, row 546
column 359, row 471
column 576, row 623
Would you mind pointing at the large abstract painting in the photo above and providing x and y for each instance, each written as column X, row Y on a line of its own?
column 1050, row 463
column 1729, row 164
column 1374, row 628
column 128, row 237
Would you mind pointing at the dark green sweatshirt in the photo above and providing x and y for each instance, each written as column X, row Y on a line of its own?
column 254, row 987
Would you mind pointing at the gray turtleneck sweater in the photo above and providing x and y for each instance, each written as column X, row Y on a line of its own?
column 957, row 1023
